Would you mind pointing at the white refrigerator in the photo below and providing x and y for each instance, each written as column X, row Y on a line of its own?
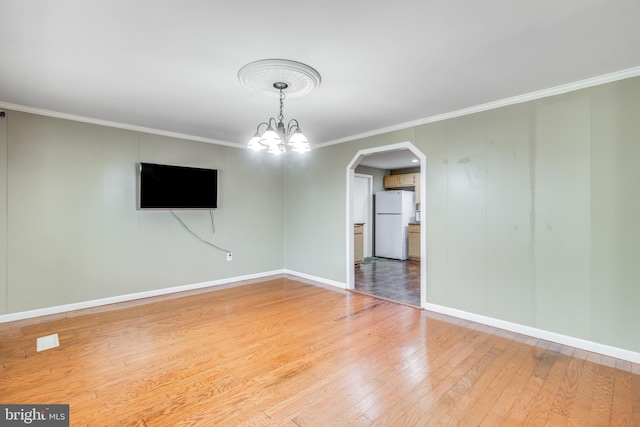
column 395, row 209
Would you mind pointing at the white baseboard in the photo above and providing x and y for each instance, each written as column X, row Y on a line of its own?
column 591, row 346
column 316, row 279
column 11, row 317
column 47, row 311
column 594, row 347
column 580, row 343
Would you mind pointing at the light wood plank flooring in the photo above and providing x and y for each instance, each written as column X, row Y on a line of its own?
column 285, row 353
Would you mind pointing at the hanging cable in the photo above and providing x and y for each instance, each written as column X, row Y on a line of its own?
column 198, row 237
column 213, row 225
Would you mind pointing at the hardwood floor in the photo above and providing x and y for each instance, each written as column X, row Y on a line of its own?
column 285, row 353
column 389, row 278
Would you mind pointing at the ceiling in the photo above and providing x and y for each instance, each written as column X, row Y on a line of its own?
column 172, row 66
column 394, row 159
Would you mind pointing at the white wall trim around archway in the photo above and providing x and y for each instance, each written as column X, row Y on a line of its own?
column 349, row 217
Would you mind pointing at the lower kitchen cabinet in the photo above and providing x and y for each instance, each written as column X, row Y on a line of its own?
column 414, row 242
column 358, row 243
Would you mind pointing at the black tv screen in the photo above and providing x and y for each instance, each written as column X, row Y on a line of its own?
column 177, row 187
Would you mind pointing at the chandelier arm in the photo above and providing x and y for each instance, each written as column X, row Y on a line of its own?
column 260, row 124
column 291, row 126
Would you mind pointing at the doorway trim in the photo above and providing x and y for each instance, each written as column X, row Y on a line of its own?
column 368, row 231
column 350, row 172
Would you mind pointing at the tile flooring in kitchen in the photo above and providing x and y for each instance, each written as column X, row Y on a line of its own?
column 389, row 278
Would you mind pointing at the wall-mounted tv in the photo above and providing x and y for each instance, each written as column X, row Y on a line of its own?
column 177, row 187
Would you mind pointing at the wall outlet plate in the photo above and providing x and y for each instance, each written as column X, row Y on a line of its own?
column 229, row 256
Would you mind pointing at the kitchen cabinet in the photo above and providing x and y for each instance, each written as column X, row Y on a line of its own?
column 404, row 180
column 358, row 243
column 400, row 180
column 414, row 241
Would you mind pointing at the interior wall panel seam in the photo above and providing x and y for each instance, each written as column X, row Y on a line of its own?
column 57, row 211
column 486, row 217
column 139, row 234
column 532, row 213
column 5, row 148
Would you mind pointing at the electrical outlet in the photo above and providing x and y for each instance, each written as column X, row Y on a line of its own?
column 229, row 256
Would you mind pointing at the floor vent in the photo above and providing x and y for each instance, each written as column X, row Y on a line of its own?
column 50, row 341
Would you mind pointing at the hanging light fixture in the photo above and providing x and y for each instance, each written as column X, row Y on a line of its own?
column 281, row 138
column 272, row 77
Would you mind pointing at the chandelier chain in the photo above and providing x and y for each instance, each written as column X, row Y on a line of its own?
column 281, row 116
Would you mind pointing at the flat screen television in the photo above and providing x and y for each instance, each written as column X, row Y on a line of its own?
column 177, row 187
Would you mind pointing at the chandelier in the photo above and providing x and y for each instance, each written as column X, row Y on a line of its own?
column 271, row 77
column 282, row 138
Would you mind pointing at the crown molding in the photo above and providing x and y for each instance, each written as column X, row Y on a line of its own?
column 125, row 126
column 557, row 90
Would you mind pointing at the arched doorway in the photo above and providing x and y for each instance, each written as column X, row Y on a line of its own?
column 351, row 167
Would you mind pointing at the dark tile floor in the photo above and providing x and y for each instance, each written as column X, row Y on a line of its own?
column 390, row 278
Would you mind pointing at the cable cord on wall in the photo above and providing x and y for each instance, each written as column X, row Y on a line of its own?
column 213, row 229
column 213, row 225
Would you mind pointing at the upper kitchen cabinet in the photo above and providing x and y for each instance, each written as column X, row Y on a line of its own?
column 401, row 180
column 404, row 180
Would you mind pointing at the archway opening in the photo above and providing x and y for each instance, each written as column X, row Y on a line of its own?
column 388, row 151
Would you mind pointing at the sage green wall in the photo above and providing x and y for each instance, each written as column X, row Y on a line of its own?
column 74, row 233
column 314, row 195
column 315, row 206
column 615, row 213
column 532, row 212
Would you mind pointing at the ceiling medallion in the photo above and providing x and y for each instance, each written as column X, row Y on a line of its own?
column 260, row 76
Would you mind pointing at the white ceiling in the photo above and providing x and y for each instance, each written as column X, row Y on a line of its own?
column 396, row 159
column 172, row 66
